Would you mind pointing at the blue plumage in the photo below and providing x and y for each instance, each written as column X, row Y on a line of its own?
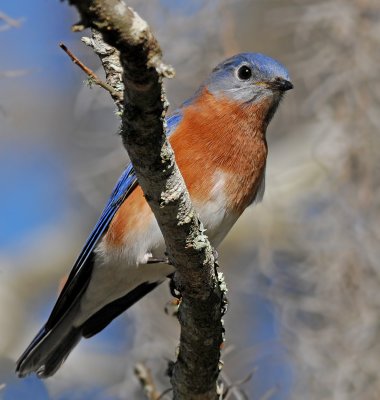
column 269, row 67
column 265, row 67
column 248, row 78
column 82, row 268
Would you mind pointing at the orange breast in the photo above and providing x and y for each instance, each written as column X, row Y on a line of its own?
column 222, row 136
column 213, row 137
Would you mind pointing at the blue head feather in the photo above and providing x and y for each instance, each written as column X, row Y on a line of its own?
column 268, row 78
column 263, row 66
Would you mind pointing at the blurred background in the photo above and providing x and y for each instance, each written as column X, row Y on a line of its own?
column 302, row 268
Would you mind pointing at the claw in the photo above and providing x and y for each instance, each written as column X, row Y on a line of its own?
column 173, row 290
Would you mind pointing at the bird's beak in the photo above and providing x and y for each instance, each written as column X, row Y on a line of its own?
column 280, row 84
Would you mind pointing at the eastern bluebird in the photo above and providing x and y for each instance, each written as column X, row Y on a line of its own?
column 218, row 137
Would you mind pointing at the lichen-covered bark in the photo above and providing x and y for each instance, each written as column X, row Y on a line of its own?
column 110, row 59
column 143, row 133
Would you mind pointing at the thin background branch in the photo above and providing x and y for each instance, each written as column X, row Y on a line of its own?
column 117, row 96
column 9, row 22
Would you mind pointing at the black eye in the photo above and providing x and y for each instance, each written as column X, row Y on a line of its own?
column 244, row 73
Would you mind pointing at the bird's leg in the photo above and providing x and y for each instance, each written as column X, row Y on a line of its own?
column 173, row 290
column 154, row 260
column 172, row 306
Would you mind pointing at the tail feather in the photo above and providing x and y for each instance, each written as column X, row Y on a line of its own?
column 56, row 358
column 52, row 345
column 50, row 348
column 112, row 310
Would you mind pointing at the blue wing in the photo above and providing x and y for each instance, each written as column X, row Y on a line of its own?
column 81, row 271
column 57, row 338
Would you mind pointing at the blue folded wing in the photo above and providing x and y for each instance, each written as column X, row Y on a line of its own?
column 81, row 271
column 123, row 188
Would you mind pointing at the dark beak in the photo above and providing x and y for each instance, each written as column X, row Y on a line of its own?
column 280, row 84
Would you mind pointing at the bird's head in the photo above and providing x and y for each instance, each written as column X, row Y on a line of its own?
column 250, row 78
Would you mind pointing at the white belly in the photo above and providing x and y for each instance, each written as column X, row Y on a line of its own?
column 214, row 214
column 116, row 273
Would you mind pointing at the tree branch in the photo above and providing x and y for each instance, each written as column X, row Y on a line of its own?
column 196, row 370
column 14, row 73
column 110, row 59
column 9, row 22
column 146, row 380
column 117, row 96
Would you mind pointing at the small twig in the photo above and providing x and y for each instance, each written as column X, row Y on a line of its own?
column 269, row 393
column 13, row 73
column 94, row 78
column 145, row 377
column 164, row 393
column 162, row 260
column 110, row 59
column 235, row 385
column 9, row 22
column 146, row 380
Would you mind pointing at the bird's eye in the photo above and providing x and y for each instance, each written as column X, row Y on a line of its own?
column 244, row 73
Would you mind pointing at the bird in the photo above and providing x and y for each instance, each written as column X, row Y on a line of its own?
column 219, row 141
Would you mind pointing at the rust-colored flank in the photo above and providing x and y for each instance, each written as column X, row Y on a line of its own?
column 132, row 217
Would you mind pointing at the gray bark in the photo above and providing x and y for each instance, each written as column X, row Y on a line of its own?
column 195, row 372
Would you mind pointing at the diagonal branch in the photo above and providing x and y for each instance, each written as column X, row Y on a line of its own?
column 110, row 59
column 145, row 378
column 14, row 73
column 9, row 22
column 91, row 74
column 143, row 132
